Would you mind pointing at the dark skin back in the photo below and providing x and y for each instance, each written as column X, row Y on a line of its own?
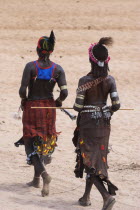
column 98, row 95
column 41, row 89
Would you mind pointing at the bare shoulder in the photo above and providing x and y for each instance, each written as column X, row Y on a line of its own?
column 110, row 79
column 59, row 68
column 30, row 65
column 83, row 80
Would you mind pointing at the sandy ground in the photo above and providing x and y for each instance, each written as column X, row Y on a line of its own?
column 76, row 23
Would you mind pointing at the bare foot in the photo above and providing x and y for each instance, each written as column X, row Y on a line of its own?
column 84, row 201
column 35, row 183
column 45, row 189
column 108, row 203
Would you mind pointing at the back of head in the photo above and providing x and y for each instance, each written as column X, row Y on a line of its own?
column 45, row 46
column 98, row 56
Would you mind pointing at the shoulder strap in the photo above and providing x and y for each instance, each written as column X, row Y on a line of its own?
column 53, row 69
column 35, row 65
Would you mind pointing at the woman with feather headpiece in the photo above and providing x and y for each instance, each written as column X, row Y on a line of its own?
column 93, row 125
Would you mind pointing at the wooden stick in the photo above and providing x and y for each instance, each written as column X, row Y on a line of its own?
column 63, row 108
column 126, row 109
column 51, row 108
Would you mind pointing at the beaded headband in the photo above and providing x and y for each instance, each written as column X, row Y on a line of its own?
column 95, row 60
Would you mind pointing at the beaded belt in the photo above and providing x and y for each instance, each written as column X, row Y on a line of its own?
column 98, row 112
column 91, row 108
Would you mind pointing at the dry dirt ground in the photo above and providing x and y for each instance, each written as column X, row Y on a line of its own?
column 76, row 24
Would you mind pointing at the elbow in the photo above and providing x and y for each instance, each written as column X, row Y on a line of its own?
column 63, row 94
column 22, row 92
column 66, row 94
column 78, row 107
column 115, row 107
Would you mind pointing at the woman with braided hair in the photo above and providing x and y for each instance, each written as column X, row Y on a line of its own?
column 93, row 125
column 39, row 132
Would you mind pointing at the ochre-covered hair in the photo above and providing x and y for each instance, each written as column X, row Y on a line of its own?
column 98, row 56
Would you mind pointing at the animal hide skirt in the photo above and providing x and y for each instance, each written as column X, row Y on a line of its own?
column 91, row 138
column 92, row 143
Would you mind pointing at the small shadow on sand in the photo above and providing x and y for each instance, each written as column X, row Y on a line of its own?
column 31, row 197
column 14, row 187
column 47, row 203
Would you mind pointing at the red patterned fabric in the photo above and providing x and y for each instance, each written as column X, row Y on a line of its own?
column 39, row 122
